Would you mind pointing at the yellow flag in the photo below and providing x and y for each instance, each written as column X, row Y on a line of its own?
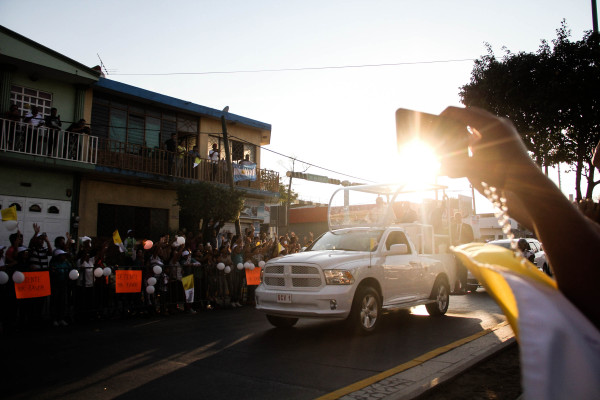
column 9, row 214
column 117, row 237
column 488, row 262
column 188, row 282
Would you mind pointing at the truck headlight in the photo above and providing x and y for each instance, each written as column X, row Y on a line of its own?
column 338, row 277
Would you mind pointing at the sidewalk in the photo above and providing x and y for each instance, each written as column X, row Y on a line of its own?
column 416, row 377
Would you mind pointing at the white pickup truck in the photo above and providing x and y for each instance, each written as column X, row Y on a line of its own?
column 360, row 267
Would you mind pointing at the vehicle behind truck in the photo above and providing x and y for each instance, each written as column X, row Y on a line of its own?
column 385, row 249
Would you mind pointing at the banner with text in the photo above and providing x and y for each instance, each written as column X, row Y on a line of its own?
column 36, row 284
column 128, row 281
column 253, row 276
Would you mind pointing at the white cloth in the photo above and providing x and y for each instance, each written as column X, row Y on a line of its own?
column 560, row 348
column 213, row 156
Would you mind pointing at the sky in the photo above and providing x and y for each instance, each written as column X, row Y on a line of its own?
column 337, row 122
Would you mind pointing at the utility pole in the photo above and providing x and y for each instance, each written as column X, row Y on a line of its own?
column 289, row 196
column 238, row 228
column 594, row 17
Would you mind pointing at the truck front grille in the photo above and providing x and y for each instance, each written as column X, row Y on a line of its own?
column 292, row 276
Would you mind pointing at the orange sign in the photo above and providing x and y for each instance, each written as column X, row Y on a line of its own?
column 128, row 281
column 253, row 276
column 36, row 284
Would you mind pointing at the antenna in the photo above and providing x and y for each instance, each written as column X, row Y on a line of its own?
column 102, row 64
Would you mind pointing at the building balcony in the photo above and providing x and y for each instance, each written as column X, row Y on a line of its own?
column 23, row 138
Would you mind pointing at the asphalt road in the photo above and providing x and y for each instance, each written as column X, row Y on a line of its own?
column 224, row 354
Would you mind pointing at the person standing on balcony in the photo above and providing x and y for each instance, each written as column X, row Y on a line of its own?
column 53, row 123
column 214, row 156
column 34, row 120
column 171, row 145
column 75, row 130
column 181, row 150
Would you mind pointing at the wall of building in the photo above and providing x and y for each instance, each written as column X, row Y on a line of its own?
column 63, row 94
column 35, row 183
column 93, row 192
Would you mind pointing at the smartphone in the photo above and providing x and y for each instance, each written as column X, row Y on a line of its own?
column 449, row 139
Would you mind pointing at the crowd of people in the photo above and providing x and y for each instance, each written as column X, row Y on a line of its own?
column 82, row 274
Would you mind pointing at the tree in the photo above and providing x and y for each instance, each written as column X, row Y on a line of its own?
column 206, row 201
column 552, row 97
column 283, row 194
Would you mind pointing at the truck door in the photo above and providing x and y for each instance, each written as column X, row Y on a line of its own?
column 401, row 271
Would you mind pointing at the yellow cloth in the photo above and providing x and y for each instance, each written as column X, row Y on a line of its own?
column 9, row 214
column 487, row 263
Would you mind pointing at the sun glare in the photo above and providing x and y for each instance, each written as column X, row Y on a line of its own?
column 417, row 163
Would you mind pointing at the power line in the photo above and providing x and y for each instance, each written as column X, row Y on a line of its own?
column 251, row 71
column 304, row 162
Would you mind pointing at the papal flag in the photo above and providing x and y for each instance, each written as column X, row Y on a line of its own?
column 117, row 240
column 188, row 286
column 559, row 346
column 9, row 214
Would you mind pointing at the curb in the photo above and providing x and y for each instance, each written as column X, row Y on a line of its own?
column 412, row 379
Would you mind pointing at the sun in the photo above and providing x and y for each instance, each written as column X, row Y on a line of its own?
column 416, row 163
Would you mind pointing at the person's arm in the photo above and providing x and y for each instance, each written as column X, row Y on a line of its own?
column 500, row 158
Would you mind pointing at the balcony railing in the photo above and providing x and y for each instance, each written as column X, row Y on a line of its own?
column 20, row 137
column 135, row 157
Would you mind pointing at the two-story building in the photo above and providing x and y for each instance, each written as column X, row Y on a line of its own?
column 120, row 152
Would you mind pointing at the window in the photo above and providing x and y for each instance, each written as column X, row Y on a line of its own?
column 53, row 210
column 17, row 206
column 396, row 237
column 35, row 208
column 26, row 97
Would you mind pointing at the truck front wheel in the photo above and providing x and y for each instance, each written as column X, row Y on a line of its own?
column 281, row 322
column 441, row 295
column 366, row 310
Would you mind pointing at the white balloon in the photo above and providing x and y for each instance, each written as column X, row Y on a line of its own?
column 240, row 266
column 18, row 277
column 151, row 281
column 220, row 266
column 180, row 240
column 10, row 225
column 98, row 272
column 106, row 271
column 251, row 267
column 3, row 277
column 227, row 269
column 261, row 264
column 157, row 269
column 150, row 289
column 247, row 265
column 73, row 274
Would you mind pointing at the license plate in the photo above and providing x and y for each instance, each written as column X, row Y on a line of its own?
column 284, row 298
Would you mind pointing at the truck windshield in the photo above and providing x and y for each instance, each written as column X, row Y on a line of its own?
column 350, row 240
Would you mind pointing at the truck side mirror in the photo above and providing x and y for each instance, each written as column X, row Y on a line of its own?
column 398, row 249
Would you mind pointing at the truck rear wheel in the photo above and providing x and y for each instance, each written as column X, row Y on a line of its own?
column 366, row 310
column 281, row 322
column 441, row 295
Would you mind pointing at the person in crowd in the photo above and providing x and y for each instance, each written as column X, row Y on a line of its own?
column 199, row 278
column 461, row 233
column 171, row 147
column 13, row 113
column 214, row 155
column 130, row 244
column 74, row 131
column 16, row 135
column 34, row 117
column 16, row 241
column 59, row 281
column 187, row 266
column 54, row 125
column 237, row 275
column 39, row 254
column 180, row 159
